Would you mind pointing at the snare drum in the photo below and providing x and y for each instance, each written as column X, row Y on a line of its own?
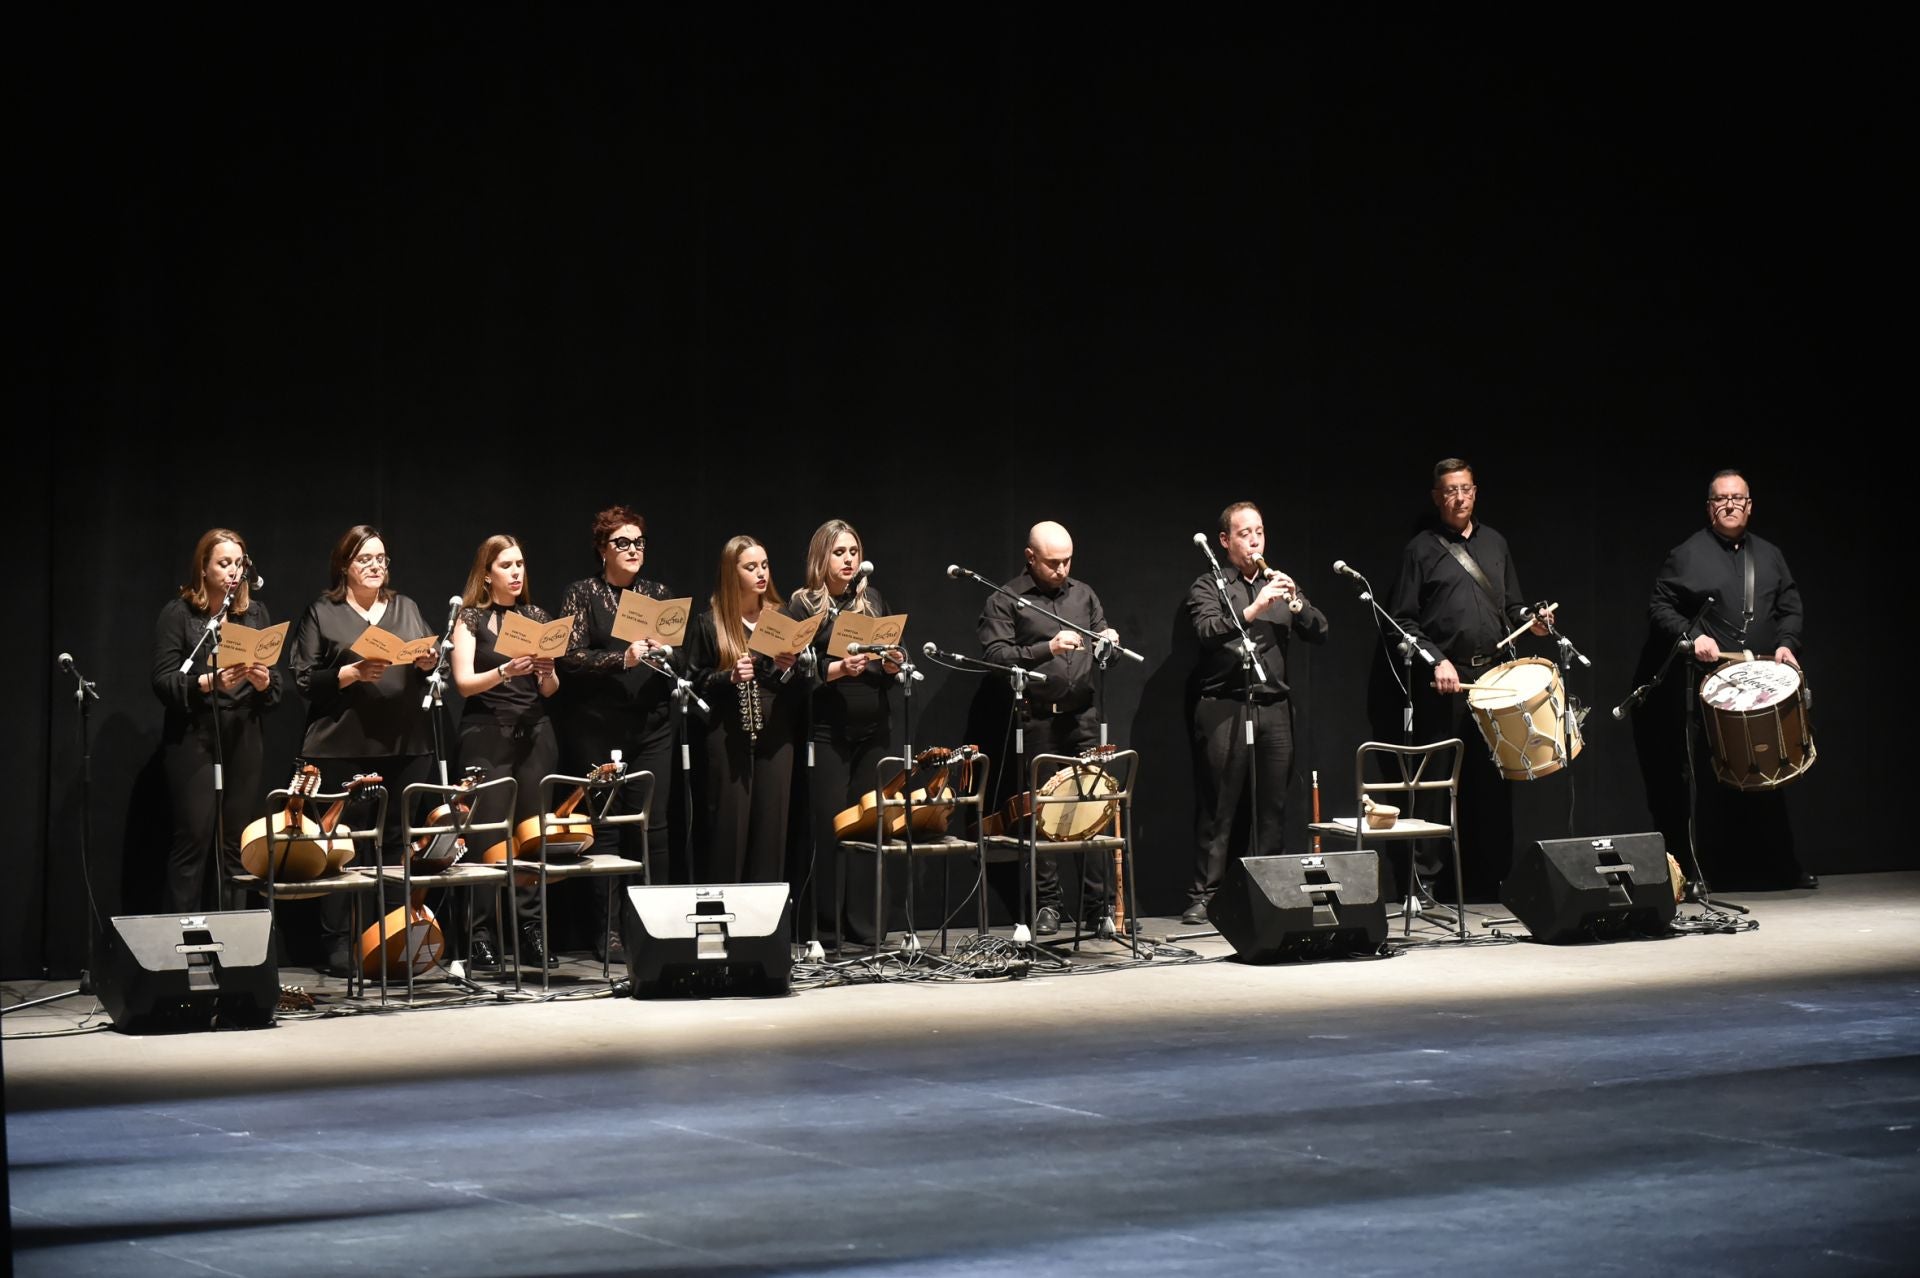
column 1521, row 708
column 1758, row 726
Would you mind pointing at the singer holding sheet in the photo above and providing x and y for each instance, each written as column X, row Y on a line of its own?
column 1060, row 715
column 852, row 730
column 1273, row 609
column 1458, row 595
column 1745, row 838
column 504, row 727
column 613, row 699
column 363, row 714
column 747, row 781
column 244, row 694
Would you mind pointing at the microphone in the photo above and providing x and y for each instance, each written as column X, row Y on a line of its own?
column 1346, row 570
column 955, row 570
column 866, row 570
column 66, row 663
column 930, row 648
column 251, row 577
column 1200, row 540
column 855, row 649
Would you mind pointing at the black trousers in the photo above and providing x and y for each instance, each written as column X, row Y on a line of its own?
column 746, row 801
column 1219, row 740
column 189, row 769
column 842, row 771
column 1070, row 734
column 526, row 752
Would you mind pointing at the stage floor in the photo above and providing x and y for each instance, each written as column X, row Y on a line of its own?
column 1721, row 1104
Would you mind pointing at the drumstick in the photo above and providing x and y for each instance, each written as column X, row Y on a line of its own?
column 1524, row 627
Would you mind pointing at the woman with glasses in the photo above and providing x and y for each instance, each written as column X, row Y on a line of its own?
column 363, row 714
column 614, row 699
column 747, row 784
column 244, row 694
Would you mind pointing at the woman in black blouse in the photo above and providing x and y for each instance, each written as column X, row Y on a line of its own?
column 364, row 715
column 748, row 783
column 217, row 578
column 504, row 727
column 852, row 728
column 614, row 701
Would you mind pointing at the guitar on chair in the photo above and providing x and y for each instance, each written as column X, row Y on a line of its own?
column 295, row 861
column 559, row 837
column 923, row 782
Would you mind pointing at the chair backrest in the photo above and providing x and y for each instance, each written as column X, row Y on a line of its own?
column 1409, row 770
column 601, row 794
column 1121, row 766
column 966, row 778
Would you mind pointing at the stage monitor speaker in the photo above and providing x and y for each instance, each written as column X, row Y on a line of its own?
column 161, row 972
column 1274, row 907
column 706, row 939
column 1592, row 889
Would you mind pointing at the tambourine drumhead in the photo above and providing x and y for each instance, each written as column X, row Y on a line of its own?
column 1070, row 822
column 1742, row 686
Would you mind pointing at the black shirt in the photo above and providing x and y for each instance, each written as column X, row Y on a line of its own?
column 1012, row 636
column 850, row 709
column 1440, row 603
column 1707, row 564
column 174, row 635
column 382, row 719
column 596, row 688
column 1219, row 672
column 715, row 683
column 516, row 701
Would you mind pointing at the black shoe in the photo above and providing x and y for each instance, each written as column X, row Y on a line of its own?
column 1807, row 881
column 339, row 962
column 481, row 956
column 532, row 953
column 1046, row 922
column 1196, row 913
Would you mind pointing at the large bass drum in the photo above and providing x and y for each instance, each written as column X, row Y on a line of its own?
column 1758, row 723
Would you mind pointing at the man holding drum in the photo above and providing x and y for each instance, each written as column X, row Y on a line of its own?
column 1743, row 834
column 1458, row 595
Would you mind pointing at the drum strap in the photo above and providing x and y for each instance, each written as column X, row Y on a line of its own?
column 1466, row 560
column 1746, row 620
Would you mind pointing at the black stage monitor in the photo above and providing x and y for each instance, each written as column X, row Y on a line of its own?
column 1592, row 889
column 1273, row 907
column 707, row 939
column 158, row 972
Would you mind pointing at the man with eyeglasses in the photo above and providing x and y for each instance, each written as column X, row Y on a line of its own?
column 1743, row 836
column 1458, row 595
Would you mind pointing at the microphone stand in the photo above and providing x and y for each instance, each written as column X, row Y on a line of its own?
column 1251, row 672
column 1689, row 728
column 1018, row 677
column 212, row 632
column 84, row 694
column 1407, row 646
column 682, row 693
column 434, row 699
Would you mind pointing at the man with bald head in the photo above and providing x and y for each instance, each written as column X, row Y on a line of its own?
column 1061, row 717
column 1748, row 601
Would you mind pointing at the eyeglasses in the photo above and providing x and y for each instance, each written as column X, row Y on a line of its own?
column 1729, row 501
column 624, row 544
column 1457, row 490
column 368, row 561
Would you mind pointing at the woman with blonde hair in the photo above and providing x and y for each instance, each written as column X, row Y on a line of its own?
column 748, row 781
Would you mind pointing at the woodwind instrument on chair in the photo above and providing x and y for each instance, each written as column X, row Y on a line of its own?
column 1294, row 602
column 1316, row 809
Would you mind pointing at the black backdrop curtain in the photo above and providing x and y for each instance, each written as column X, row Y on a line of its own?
column 454, row 272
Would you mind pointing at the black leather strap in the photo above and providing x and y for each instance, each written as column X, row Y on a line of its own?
column 1459, row 552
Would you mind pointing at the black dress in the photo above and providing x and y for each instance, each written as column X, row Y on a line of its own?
column 364, row 728
column 747, row 781
column 506, row 731
column 602, row 706
column 186, row 740
column 851, row 732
